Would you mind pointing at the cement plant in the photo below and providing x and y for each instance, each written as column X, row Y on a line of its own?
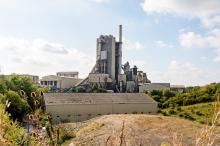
column 108, row 74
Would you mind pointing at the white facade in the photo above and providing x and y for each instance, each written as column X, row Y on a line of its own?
column 58, row 82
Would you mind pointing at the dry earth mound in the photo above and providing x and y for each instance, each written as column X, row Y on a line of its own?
column 137, row 130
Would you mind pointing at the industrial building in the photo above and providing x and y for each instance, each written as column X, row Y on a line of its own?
column 77, row 107
column 58, row 83
column 160, row 86
column 107, row 70
column 74, row 74
column 153, row 86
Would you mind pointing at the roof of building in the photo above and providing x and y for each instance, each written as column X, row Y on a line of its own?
column 68, row 72
column 55, row 77
column 157, row 84
column 96, row 98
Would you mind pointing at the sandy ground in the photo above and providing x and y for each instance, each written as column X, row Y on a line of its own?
column 138, row 130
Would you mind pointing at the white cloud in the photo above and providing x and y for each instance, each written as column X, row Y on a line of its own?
column 41, row 57
column 211, row 21
column 130, row 45
column 185, row 73
column 100, row 1
column 206, row 10
column 210, row 40
column 162, row 44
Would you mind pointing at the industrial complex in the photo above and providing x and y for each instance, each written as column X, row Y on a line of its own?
column 121, row 81
column 107, row 72
column 125, row 87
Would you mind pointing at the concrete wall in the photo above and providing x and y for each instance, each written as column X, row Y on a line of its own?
column 81, row 112
column 97, row 78
column 67, row 82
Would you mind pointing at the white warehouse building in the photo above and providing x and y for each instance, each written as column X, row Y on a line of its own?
column 77, row 107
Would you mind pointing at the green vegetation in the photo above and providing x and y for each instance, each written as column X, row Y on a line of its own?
column 11, row 132
column 193, row 104
column 90, row 89
column 64, row 135
column 201, row 112
column 21, row 101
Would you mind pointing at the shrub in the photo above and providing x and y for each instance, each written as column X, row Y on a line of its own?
column 199, row 113
column 168, row 93
column 164, row 113
column 18, row 107
column 65, row 135
column 171, row 112
column 188, row 116
column 156, row 92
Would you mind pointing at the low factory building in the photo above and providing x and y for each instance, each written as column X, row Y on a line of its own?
column 153, row 86
column 77, row 107
column 58, row 82
column 71, row 74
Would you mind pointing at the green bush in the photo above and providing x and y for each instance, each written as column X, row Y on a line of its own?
column 18, row 107
column 164, row 113
column 188, row 116
column 168, row 93
column 171, row 111
column 199, row 113
column 65, row 135
column 156, row 92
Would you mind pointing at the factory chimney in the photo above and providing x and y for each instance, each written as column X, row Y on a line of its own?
column 120, row 33
column 118, row 55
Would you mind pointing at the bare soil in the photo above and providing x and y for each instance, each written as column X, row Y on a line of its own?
column 137, row 130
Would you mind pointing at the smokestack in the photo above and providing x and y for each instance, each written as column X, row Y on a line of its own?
column 120, row 33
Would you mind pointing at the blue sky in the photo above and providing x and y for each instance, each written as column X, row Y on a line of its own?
column 175, row 41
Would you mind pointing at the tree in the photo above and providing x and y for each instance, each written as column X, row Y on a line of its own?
column 19, row 106
column 23, row 83
column 3, row 85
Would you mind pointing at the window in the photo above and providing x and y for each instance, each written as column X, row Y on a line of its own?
column 55, row 83
column 68, row 115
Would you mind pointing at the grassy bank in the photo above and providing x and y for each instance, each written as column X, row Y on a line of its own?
column 201, row 112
